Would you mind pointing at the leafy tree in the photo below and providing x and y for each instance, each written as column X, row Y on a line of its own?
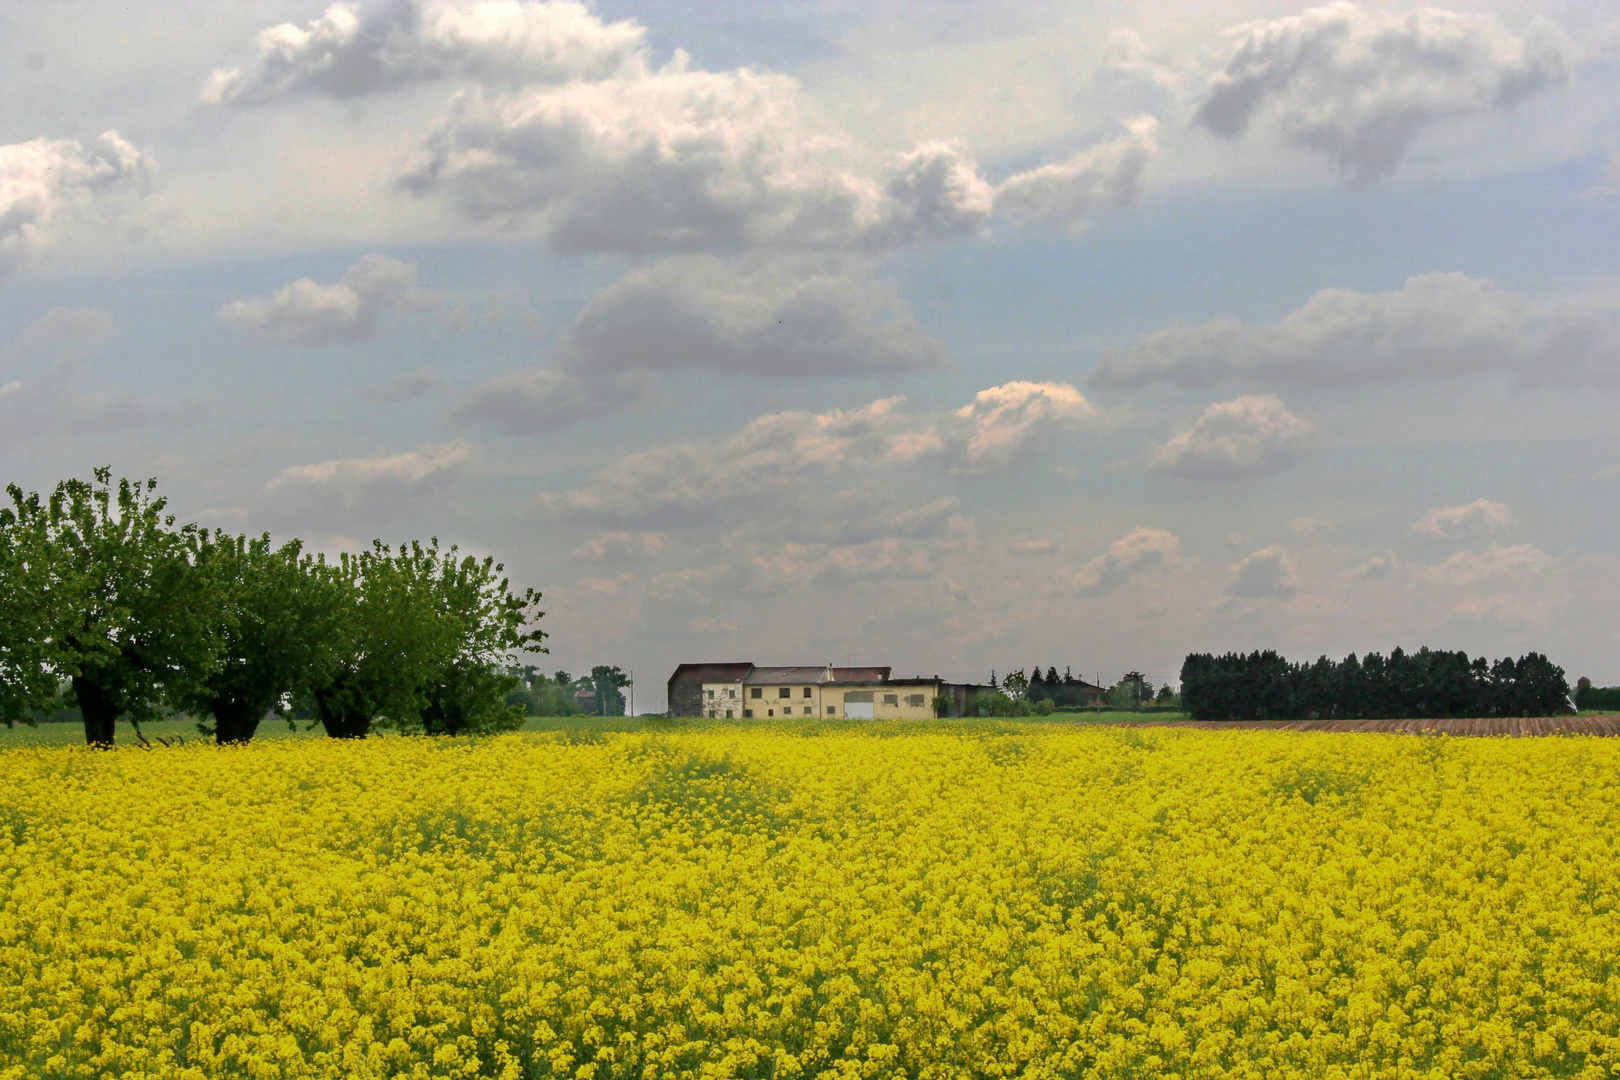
column 130, row 617
column 487, row 629
column 420, row 639
column 268, row 626
column 608, row 682
column 1015, row 685
column 380, row 645
column 30, row 648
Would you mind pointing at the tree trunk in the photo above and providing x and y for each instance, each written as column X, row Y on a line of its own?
column 341, row 722
column 235, row 721
column 100, row 711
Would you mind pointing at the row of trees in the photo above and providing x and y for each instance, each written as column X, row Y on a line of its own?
column 601, row 693
column 1067, row 691
column 1427, row 683
column 1605, row 698
column 138, row 618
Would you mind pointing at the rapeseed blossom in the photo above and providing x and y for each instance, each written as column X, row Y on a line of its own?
column 937, row 901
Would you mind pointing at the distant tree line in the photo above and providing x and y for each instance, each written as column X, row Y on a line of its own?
column 601, row 693
column 1424, row 684
column 108, row 606
column 1601, row 698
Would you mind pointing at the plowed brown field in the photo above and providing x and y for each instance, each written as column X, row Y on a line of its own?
column 1606, row 724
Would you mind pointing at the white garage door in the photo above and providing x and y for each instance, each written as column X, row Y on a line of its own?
column 858, row 710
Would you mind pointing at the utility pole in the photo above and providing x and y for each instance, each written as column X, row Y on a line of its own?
column 632, row 691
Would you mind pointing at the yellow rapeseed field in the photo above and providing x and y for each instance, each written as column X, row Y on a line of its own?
column 939, row 901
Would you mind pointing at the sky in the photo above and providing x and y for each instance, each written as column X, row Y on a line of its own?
column 952, row 337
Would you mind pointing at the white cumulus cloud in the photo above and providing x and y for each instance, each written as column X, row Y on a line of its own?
column 1267, row 574
column 41, row 178
column 1470, row 567
column 1105, row 176
column 1137, row 552
column 537, row 401
column 373, row 485
column 1248, row 436
column 349, row 52
column 1361, row 86
column 1000, row 420
column 758, row 317
column 1435, row 325
column 1478, row 518
column 309, row 313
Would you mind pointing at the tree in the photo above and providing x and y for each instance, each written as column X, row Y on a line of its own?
column 608, row 682
column 1015, row 685
column 379, row 646
column 486, row 625
column 268, row 625
column 130, row 617
column 30, row 648
column 421, row 640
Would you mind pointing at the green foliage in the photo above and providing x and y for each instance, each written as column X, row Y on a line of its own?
column 421, row 640
column 1016, row 685
column 1600, row 698
column 538, row 695
column 123, row 613
column 268, row 623
column 1427, row 683
column 608, row 683
column 30, row 648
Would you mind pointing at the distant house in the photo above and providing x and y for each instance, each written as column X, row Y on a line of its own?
column 743, row 690
column 708, row 690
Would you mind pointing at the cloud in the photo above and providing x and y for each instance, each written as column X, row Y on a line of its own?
column 775, row 453
column 61, row 331
column 42, row 177
column 605, row 586
column 347, row 53
column 677, row 160
column 309, row 313
column 52, row 402
column 1478, row 518
column 1307, row 526
column 406, row 387
column 797, row 565
column 1361, row 86
column 696, row 480
column 1137, row 552
column 1038, row 545
column 1267, row 574
column 1001, row 420
column 1443, row 324
column 758, row 317
column 1107, row 176
column 537, row 401
column 1249, row 436
column 1377, row 568
column 1470, row 567
column 935, row 193
column 348, row 486
column 620, row 546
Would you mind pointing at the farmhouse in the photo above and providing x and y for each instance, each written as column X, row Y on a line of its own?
column 744, row 690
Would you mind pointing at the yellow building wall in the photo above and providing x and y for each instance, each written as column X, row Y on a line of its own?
column 771, row 705
column 911, row 700
column 718, row 697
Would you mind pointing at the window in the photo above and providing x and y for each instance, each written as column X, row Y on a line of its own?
column 728, row 714
column 710, row 693
column 891, row 699
column 807, row 691
column 758, row 692
column 732, row 693
column 786, row 691
column 914, row 699
column 832, row 710
column 748, row 714
column 770, row 712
